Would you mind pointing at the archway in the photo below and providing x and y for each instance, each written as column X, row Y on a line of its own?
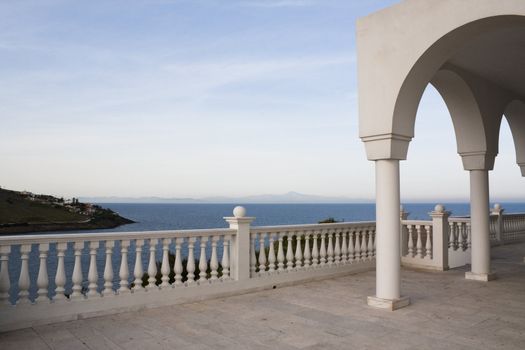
column 472, row 52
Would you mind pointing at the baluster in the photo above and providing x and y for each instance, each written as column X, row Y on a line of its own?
column 280, row 253
column 262, row 253
column 178, row 261
column 419, row 245
column 190, row 266
column 77, row 271
column 298, row 251
column 5, row 283
column 165, row 265
column 203, row 263
column 351, row 249
column 374, row 233
column 307, row 253
column 92, row 272
column 462, row 239
column 42, row 281
column 428, row 243
column 60, row 277
column 410, row 241
column 289, row 252
column 315, row 249
column 23, row 281
column 322, row 250
column 214, row 264
column 370, row 245
column 226, row 257
column 337, row 250
column 138, row 270
column 358, row 252
column 330, row 251
column 461, row 229
column 344, row 248
column 271, row 253
column 152, row 265
column 469, row 233
column 108, row 270
column 452, row 226
column 124, row 271
column 363, row 245
column 253, row 258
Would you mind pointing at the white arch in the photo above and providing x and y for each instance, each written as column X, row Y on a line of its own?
column 401, row 48
column 400, row 51
column 515, row 114
column 476, row 107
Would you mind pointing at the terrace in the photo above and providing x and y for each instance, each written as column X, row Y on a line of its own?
column 447, row 312
column 307, row 283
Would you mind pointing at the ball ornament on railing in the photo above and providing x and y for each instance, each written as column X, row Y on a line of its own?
column 439, row 208
column 497, row 206
column 239, row 212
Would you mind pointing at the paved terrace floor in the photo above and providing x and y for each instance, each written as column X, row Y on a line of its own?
column 447, row 312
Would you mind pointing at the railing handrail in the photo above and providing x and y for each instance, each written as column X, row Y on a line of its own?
column 459, row 219
column 106, row 236
column 417, row 222
column 513, row 214
column 304, row 227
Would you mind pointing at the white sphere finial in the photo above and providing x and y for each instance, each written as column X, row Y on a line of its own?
column 239, row 212
column 497, row 206
column 439, row 208
column 401, row 208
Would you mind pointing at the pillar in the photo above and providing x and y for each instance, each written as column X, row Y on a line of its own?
column 240, row 247
column 440, row 231
column 388, row 258
column 479, row 216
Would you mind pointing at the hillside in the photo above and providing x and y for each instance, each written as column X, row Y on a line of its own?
column 27, row 212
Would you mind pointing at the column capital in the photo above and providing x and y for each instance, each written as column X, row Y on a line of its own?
column 386, row 146
column 478, row 160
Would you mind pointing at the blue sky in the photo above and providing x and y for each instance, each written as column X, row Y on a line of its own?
column 203, row 98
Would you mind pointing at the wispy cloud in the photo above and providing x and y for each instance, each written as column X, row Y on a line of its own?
column 278, row 3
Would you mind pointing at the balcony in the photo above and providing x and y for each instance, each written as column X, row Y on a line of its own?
column 447, row 312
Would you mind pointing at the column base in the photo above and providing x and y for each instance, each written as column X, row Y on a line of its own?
column 484, row 277
column 389, row 304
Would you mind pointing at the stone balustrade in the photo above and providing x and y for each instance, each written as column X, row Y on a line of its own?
column 92, row 277
column 278, row 249
column 459, row 242
column 445, row 242
column 423, row 243
column 57, row 277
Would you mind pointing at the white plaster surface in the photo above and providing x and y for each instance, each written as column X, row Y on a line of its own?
column 446, row 312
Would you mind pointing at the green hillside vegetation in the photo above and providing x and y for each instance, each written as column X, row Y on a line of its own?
column 22, row 212
column 17, row 208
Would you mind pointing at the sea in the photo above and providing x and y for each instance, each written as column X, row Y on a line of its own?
column 151, row 217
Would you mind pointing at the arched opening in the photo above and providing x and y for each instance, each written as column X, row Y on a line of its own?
column 433, row 149
column 472, row 53
column 455, row 50
column 507, row 186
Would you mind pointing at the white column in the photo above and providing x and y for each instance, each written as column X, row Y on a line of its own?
column 240, row 248
column 388, row 259
column 479, row 217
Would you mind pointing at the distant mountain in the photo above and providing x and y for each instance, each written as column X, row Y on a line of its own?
column 144, row 200
column 290, row 197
